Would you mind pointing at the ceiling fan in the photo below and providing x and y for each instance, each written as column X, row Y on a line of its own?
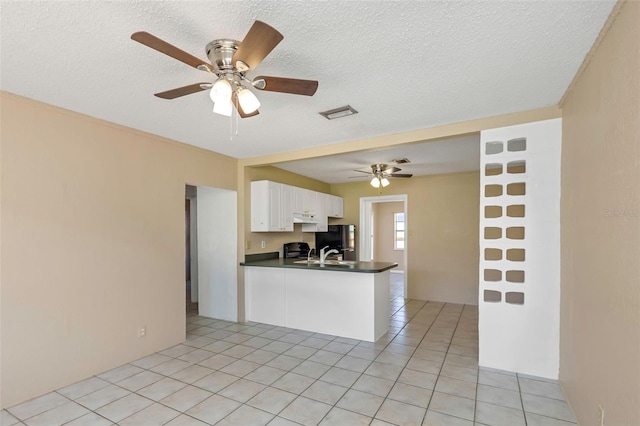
column 380, row 173
column 230, row 60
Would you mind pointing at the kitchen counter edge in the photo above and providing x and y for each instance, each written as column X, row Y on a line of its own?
column 365, row 267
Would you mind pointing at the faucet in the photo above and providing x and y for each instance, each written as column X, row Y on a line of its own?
column 309, row 254
column 323, row 255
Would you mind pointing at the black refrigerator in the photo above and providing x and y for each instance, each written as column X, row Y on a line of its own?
column 339, row 237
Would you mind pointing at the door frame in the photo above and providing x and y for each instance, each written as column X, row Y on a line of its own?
column 364, row 237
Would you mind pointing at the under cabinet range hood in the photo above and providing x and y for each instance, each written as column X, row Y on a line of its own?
column 305, row 218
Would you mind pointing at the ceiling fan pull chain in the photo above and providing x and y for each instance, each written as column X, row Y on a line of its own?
column 237, row 121
column 231, row 127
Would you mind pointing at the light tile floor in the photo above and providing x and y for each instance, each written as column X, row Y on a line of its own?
column 424, row 371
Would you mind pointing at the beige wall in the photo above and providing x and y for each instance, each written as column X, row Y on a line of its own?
column 92, row 243
column 383, row 231
column 600, row 306
column 442, row 229
column 275, row 240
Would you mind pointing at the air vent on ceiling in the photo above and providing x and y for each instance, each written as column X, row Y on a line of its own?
column 401, row 161
column 338, row 112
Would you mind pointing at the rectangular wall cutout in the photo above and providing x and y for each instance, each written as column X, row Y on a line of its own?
column 514, row 297
column 492, row 233
column 515, row 276
column 515, row 210
column 519, row 144
column 494, row 148
column 492, row 190
column 492, row 254
column 518, row 188
column 492, row 275
column 515, row 233
column 491, row 212
column 493, row 169
column 515, row 255
column 516, row 167
column 492, row 296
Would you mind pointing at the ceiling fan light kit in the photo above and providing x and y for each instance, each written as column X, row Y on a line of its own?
column 230, row 61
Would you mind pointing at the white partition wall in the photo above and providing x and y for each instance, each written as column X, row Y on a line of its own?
column 519, row 300
column 217, row 248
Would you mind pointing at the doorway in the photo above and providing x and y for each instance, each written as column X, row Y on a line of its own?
column 191, row 249
column 367, row 239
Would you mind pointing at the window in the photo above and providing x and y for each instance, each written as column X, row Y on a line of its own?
column 398, row 231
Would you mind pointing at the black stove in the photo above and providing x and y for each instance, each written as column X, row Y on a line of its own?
column 295, row 250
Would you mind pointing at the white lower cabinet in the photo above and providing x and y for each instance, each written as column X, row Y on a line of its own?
column 348, row 304
column 265, row 295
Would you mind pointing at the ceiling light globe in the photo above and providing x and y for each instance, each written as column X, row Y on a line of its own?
column 248, row 101
column 375, row 182
column 223, row 107
column 220, row 91
column 384, row 182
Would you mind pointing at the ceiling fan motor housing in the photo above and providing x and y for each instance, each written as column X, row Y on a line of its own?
column 220, row 52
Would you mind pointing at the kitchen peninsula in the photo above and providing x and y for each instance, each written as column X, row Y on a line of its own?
column 348, row 299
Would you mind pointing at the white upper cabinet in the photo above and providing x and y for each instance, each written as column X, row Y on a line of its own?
column 271, row 207
column 335, row 206
column 322, row 201
column 305, row 201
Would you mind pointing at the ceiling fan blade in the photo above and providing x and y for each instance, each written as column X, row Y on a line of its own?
column 181, row 91
column 287, row 85
column 170, row 50
column 358, row 177
column 257, row 44
column 400, row 175
column 390, row 169
column 362, row 171
column 241, row 111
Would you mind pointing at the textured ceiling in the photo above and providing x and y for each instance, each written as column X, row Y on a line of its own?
column 450, row 155
column 403, row 65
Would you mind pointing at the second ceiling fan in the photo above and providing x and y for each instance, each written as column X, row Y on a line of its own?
column 230, row 60
column 381, row 172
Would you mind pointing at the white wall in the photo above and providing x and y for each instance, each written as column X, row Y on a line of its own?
column 217, row 247
column 522, row 337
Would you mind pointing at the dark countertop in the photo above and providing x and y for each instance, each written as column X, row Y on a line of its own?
column 367, row 267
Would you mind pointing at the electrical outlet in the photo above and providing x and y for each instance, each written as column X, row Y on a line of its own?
column 142, row 332
column 601, row 415
column 248, row 245
column 263, row 244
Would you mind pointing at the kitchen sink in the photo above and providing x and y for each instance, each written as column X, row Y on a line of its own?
column 326, row 262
